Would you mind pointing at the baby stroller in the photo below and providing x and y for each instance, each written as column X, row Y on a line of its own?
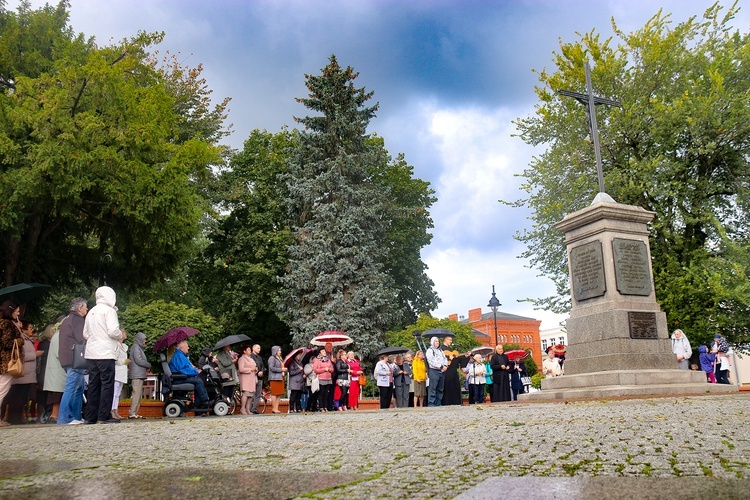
column 178, row 395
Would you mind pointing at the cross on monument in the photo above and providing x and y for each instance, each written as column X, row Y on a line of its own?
column 590, row 101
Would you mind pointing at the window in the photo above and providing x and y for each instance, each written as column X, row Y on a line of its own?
column 562, row 340
column 544, row 345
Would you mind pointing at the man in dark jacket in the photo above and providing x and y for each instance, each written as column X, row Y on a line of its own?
column 261, row 369
column 71, row 333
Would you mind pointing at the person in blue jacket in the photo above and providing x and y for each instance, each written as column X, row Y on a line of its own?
column 181, row 364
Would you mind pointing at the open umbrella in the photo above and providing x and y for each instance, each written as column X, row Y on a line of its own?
column 336, row 339
column 391, row 350
column 558, row 350
column 173, row 336
column 309, row 354
column 231, row 339
column 22, row 293
column 517, row 354
column 483, row 350
column 439, row 333
column 289, row 357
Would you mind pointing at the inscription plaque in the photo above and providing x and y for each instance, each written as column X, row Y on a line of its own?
column 642, row 325
column 587, row 271
column 632, row 267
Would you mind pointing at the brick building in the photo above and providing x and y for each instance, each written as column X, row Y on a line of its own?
column 511, row 329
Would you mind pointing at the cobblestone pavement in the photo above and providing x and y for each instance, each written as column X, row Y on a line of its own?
column 435, row 453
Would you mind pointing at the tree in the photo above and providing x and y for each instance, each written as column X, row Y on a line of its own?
column 335, row 279
column 678, row 147
column 103, row 154
column 464, row 340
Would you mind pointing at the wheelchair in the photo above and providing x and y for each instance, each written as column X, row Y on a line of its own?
column 179, row 395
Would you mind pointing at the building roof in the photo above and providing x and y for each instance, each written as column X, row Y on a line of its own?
column 477, row 333
column 500, row 315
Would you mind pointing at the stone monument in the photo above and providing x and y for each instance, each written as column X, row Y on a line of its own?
column 617, row 334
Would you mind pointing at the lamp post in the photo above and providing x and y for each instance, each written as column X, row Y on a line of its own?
column 494, row 304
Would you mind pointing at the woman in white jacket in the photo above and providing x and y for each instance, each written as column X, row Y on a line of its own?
column 383, row 375
column 475, row 371
column 121, row 377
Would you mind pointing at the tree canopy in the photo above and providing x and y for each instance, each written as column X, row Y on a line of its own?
column 104, row 152
column 679, row 147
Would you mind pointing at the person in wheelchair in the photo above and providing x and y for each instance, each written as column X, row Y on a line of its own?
column 180, row 364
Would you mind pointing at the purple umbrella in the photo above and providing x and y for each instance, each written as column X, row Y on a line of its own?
column 174, row 336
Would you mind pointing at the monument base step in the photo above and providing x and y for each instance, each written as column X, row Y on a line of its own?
column 640, row 377
column 609, row 391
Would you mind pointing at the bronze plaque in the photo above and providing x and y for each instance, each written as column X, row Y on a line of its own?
column 632, row 267
column 642, row 325
column 587, row 271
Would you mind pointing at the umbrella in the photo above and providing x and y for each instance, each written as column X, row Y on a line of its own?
column 438, row 332
column 558, row 349
column 336, row 338
column 289, row 357
column 231, row 339
column 173, row 336
column 22, row 293
column 517, row 354
column 483, row 350
column 392, row 350
column 309, row 354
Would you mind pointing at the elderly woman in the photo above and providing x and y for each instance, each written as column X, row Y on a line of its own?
column 23, row 389
column 681, row 349
column 419, row 370
column 296, row 383
column 342, row 379
column 226, row 361
column 355, row 370
column 323, row 368
column 551, row 366
column 248, row 375
column 383, row 379
column 10, row 335
column 475, row 371
column 500, row 375
column 52, row 377
column 276, row 371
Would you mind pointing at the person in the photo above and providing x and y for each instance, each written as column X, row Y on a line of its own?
column 401, row 381
column 721, row 347
column 312, row 397
column 180, row 364
column 10, row 336
column 23, row 388
column 342, row 379
column 408, row 364
column 54, row 374
column 382, row 374
column 419, row 372
column 681, row 349
column 355, row 369
column 121, row 378
column 708, row 363
column 323, row 369
column 334, row 377
column 71, row 333
column 296, row 383
column 500, row 380
column 226, row 361
column 452, row 382
column 138, row 368
column 276, row 371
column 103, row 334
column 517, row 372
column 259, row 385
column 437, row 364
column 550, row 366
column 207, row 358
column 488, row 377
column 474, row 371
column 248, row 375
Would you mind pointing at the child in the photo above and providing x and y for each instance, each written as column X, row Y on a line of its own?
column 708, row 362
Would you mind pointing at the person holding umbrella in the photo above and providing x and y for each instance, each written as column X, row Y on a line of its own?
column 10, row 336
column 276, row 371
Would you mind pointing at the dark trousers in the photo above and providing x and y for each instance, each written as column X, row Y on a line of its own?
column 476, row 394
column 325, row 396
column 312, row 402
column 101, row 390
column 344, row 399
column 385, row 397
column 295, row 400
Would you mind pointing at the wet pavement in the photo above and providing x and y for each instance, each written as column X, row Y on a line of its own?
column 672, row 447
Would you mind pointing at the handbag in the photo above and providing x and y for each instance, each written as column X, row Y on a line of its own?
column 315, row 384
column 15, row 364
column 363, row 379
column 79, row 359
column 526, row 380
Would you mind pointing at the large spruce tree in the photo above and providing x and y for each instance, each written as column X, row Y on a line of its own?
column 335, row 277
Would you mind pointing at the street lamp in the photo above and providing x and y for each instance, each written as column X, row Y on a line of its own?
column 494, row 304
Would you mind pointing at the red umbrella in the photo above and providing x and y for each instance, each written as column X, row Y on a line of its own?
column 335, row 337
column 289, row 357
column 517, row 354
column 558, row 350
column 174, row 336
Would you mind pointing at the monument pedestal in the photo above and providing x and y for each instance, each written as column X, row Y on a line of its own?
column 617, row 335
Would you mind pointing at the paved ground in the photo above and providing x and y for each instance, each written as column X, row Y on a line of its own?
column 642, row 447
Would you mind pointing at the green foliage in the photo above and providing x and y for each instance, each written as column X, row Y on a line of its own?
column 156, row 318
column 102, row 153
column 536, row 381
column 678, row 147
column 463, row 342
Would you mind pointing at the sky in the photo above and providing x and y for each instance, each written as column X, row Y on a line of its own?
column 450, row 76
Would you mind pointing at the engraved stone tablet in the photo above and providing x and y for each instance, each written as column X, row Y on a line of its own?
column 642, row 325
column 587, row 271
column 632, row 267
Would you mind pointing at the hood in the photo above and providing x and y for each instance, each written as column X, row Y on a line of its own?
column 140, row 338
column 702, row 349
column 274, row 350
column 105, row 295
column 206, row 351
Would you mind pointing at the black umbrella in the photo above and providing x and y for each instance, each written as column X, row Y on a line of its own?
column 439, row 333
column 22, row 293
column 309, row 354
column 392, row 350
column 231, row 339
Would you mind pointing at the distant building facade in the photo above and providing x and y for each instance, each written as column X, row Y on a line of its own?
column 511, row 329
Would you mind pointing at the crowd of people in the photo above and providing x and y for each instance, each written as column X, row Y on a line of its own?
column 713, row 360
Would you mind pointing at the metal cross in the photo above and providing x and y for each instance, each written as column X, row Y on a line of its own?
column 590, row 101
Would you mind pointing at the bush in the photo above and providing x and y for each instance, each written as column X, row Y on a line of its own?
column 536, row 381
